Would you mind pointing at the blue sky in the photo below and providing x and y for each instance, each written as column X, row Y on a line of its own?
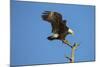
column 29, row 44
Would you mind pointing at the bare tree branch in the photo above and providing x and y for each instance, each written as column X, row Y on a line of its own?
column 73, row 48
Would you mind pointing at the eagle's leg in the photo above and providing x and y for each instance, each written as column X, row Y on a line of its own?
column 67, row 42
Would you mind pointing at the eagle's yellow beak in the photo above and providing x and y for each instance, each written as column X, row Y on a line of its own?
column 70, row 31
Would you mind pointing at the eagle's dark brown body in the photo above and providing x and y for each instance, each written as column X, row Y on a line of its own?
column 58, row 25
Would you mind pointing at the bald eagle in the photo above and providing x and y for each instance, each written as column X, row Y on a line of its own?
column 59, row 27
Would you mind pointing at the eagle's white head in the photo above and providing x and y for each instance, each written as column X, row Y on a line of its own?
column 70, row 31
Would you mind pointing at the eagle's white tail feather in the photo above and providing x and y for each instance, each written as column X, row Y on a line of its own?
column 55, row 35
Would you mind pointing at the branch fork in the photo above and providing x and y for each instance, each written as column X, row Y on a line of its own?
column 73, row 48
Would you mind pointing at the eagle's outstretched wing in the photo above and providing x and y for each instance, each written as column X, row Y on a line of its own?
column 52, row 17
column 56, row 21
